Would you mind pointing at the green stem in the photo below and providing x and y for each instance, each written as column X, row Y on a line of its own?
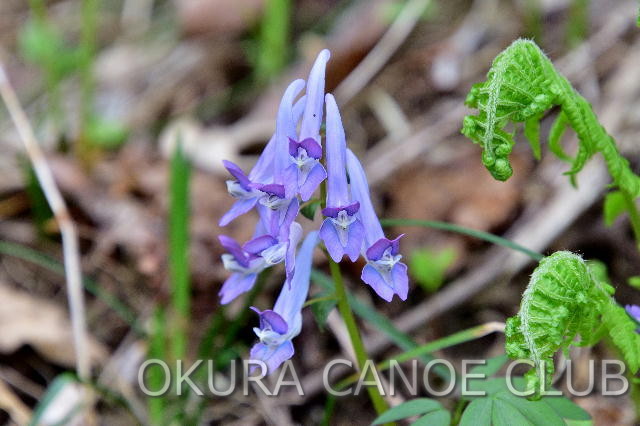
column 445, row 226
column 179, row 250
column 356, row 340
column 634, row 216
column 428, row 348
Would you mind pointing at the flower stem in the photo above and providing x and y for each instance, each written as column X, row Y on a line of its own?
column 356, row 340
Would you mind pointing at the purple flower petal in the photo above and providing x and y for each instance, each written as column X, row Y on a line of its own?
column 400, row 280
column 271, row 320
column 329, row 235
column 351, row 210
column 234, row 249
column 239, row 208
column 285, row 129
column 235, row 285
column 354, row 243
column 314, row 179
column 360, row 192
column 273, row 357
column 313, row 148
column 270, row 188
column 257, row 245
column 388, row 284
column 337, row 189
column 376, row 251
column 295, row 235
column 237, row 173
column 634, row 311
column 312, row 117
column 376, row 281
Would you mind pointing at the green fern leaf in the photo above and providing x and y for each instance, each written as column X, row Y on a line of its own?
column 566, row 299
column 521, row 86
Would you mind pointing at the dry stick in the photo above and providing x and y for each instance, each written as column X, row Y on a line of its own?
column 61, row 213
column 382, row 52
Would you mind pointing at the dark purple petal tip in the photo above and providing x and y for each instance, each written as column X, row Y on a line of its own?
column 237, row 173
column 271, row 188
column 351, row 210
column 271, row 320
column 313, row 148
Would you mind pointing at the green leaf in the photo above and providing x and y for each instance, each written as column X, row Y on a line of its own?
column 566, row 408
column 322, row 308
column 634, row 282
column 505, row 414
column 538, row 412
column 478, row 413
column 308, row 209
column 429, row 266
column 408, row 409
column 108, row 134
column 491, row 367
column 532, row 133
column 614, row 206
column 435, row 418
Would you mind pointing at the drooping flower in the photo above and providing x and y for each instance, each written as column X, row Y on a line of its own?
column 278, row 326
column 243, row 187
column 342, row 231
column 383, row 272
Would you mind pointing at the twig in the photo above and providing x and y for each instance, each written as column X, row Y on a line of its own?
column 66, row 225
column 380, row 54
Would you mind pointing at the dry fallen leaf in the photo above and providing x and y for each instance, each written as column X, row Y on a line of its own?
column 28, row 320
column 10, row 403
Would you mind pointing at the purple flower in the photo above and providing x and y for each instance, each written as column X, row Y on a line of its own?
column 278, row 326
column 243, row 188
column 342, row 232
column 383, row 272
column 245, row 267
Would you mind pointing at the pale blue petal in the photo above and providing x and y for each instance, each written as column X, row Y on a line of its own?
column 354, row 243
column 239, row 208
column 235, row 285
column 360, row 193
column 331, row 240
column 312, row 117
column 336, row 145
column 373, row 278
column 273, row 357
column 314, row 179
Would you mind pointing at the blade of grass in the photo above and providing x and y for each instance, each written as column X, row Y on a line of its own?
column 436, row 345
column 273, row 48
column 157, row 350
column 445, row 226
column 44, row 261
column 379, row 321
column 179, row 250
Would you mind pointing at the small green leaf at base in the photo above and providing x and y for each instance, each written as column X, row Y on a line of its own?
column 409, row 409
column 614, row 206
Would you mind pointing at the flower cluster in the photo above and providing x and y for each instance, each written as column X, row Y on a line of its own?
column 288, row 172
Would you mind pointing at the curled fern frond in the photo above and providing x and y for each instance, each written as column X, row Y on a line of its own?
column 567, row 298
column 521, row 86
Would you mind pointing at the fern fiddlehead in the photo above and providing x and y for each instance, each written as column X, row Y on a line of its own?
column 566, row 298
column 521, row 86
